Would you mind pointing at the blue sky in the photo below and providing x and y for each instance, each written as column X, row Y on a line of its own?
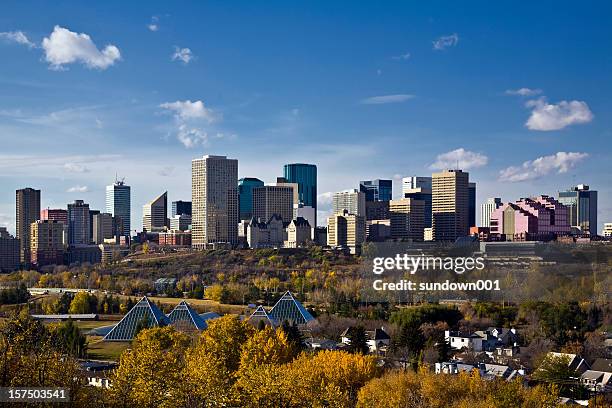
column 517, row 94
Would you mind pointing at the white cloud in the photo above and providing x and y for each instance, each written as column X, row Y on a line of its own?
column 445, row 42
column 75, row 168
column 545, row 116
column 153, row 26
column 401, row 57
column 523, row 92
column 78, row 189
column 166, row 171
column 324, row 200
column 459, row 158
column 64, row 47
column 182, row 54
column 559, row 162
column 186, row 110
column 382, row 99
column 191, row 136
column 18, row 37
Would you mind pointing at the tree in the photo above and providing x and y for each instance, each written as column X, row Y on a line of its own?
column 294, row 336
column 359, row 340
column 80, row 304
column 70, row 339
column 557, row 370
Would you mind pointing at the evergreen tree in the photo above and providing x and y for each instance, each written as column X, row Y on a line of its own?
column 359, row 341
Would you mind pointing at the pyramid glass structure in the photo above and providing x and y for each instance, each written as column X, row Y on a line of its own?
column 289, row 309
column 183, row 317
column 143, row 312
column 260, row 315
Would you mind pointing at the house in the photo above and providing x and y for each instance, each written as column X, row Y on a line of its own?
column 599, row 377
column 504, row 336
column 477, row 341
column 576, row 362
column 97, row 373
column 320, row 344
column 377, row 340
column 486, row 371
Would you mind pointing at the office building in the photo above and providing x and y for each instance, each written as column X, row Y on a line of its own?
column 346, row 230
column 305, row 175
column 78, row 223
column 47, row 243
column 272, row 200
column 245, row 196
column 486, row 208
column 352, row 201
column 281, row 181
column 57, row 214
column 102, row 228
column 180, row 222
column 582, row 207
column 412, row 182
column 407, row 218
column 118, row 203
column 181, row 207
column 450, row 205
column 531, row 219
column 27, row 212
column 377, row 190
column 306, row 212
column 472, row 204
column 214, row 190
column 174, row 238
column 92, row 213
column 423, row 194
column 155, row 214
column 9, row 251
column 299, row 232
column 378, row 230
column 377, row 210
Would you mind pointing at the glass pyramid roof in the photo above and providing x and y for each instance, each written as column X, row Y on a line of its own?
column 289, row 309
column 143, row 311
column 184, row 317
column 260, row 314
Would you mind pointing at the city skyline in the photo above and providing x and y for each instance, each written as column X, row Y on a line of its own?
column 377, row 99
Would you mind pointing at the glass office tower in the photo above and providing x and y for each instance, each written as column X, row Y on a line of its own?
column 305, row 175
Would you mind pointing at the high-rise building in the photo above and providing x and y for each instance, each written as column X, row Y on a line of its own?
column 78, row 223
column 118, row 203
column 352, row 201
column 346, row 230
column 306, row 212
column 47, row 243
column 214, row 191
column 9, row 251
column 472, row 204
column 180, row 222
column 377, row 210
column 412, row 182
column 582, row 205
column 305, row 175
column 57, row 214
column 486, row 208
column 406, row 216
column 181, row 207
column 27, row 212
column 450, row 204
column 103, row 228
column 92, row 214
column 245, row 196
column 423, row 194
column 377, row 190
column 155, row 214
column 273, row 199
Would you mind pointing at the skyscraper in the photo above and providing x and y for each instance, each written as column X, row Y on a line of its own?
column 582, row 204
column 406, row 216
column 56, row 214
column 245, row 196
column 181, row 207
column 27, row 212
column 346, row 230
column 9, row 251
column 423, row 194
column 377, row 190
column 487, row 208
column 47, row 242
column 102, row 227
column 305, row 175
column 214, row 192
column 412, row 182
column 353, row 201
column 78, row 223
column 118, row 204
column 155, row 214
column 450, row 205
column 472, row 204
column 270, row 200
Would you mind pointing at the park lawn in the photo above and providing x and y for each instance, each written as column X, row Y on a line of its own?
column 201, row 305
column 105, row 350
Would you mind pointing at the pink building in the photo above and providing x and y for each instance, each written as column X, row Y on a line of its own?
column 57, row 214
column 531, row 219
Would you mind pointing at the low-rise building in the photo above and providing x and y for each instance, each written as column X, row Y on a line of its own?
column 174, row 238
column 269, row 234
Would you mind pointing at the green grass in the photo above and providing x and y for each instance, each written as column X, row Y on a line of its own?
column 105, row 350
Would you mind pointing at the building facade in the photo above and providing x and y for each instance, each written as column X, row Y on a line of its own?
column 245, row 196
column 27, row 206
column 346, row 230
column 352, row 201
column 273, row 199
column 377, row 190
column 305, row 175
column 118, row 203
column 155, row 214
column 9, row 251
column 450, row 205
column 299, row 232
column 47, row 243
column 78, row 223
column 486, row 208
column 413, row 182
column 407, row 218
column 181, row 207
column 582, row 207
column 102, row 228
column 214, row 181
column 472, row 205
column 180, row 222
column 423, row 194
